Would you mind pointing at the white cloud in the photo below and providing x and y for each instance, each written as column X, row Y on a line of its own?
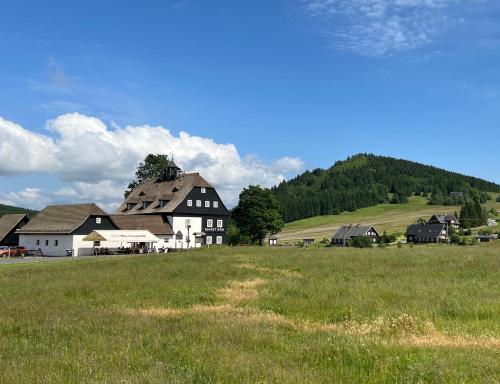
column 382, row 27
column 97, row 162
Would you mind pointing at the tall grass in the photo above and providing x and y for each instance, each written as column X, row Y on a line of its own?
column 422, row 314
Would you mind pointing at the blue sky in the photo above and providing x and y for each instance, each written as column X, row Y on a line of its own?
column 241, row 91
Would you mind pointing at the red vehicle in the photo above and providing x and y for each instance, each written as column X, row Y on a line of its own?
column 13, row 251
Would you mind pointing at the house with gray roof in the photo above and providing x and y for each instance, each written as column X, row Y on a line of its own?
column 9, row 224
column 187, row 202
column 424, row 233
column 444, row 218
column 60, row 229
column 349, row 232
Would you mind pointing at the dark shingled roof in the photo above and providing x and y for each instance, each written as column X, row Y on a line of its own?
column 152, row 223
column 61, row 218
column 425, row 231
column 156, row 190
column 8, row 223
column 444, row 218
column 349, row 231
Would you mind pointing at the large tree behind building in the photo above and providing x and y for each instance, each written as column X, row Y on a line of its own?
column 152, row 166
column 257, row 214
column 472, row 213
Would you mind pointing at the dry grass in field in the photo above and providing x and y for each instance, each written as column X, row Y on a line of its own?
column 280, row 272
column 403, row 330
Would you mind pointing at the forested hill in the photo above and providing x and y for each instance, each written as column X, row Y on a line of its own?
column 365, row 180
column 7, row 209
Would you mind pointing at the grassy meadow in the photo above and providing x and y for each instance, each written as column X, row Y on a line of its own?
column 385, row 217
column 428, row 314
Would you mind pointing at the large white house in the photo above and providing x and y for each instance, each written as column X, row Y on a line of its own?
column 187, row 202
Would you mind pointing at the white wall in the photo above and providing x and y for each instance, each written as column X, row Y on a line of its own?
column 179, row 224
column 65, row 242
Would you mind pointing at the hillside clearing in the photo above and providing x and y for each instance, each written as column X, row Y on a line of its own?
column 385, row 217
column 421, row 314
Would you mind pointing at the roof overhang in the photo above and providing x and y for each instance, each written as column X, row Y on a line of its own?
column 122, row 236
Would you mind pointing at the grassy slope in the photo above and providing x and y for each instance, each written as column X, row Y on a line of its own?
column 296, row 315
column 385, row 217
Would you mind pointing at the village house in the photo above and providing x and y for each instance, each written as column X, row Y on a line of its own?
column 427, row 233
column 187, row 202
column 9, row 224
column 349, row 232
column 58, row 230
column 450, row 220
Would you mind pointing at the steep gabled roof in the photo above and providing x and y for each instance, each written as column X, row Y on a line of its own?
column 152, row 223
column 8, row 223
column 349, row 231
column 61, row 218
column 425, row 231
column 444, row 218
column 172, row 192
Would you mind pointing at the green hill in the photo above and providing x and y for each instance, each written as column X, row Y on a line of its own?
column 7, row 209
column 366, row 180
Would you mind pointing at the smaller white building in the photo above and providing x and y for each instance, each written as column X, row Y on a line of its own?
column 58, row 230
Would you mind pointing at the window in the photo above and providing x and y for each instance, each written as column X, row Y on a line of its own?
column 130, row 206
column 207, row 204
column 98, row 220
column 216, row 204
column 46, row 243
column 38, row 242
column 56, row 243
column 198, row 203
column 203, row 190
column 145, row 204
column 190, row 203
column 162, row 203
column 97, row 243
column 218, row 240
column 209, row 240
column 219, row 223
column 210, row 223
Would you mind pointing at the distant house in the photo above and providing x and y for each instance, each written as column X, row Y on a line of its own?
column 273, row 241
column 426, row 233
column 349, row 232
column 492, row 223
column 59, row 228
column 308, row 241
column 451, row 220
column 9, row 224
column 456, row 194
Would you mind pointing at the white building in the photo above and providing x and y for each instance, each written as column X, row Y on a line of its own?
column 60, row 229
column 187, row 202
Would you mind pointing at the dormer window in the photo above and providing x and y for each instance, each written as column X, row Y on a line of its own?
column 145, row 204
column 162, row 203
column 203, row 190
column 142, row 193
column 130, row 206
column 175, row 189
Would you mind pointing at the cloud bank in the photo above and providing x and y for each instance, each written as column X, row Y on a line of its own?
column 96, row 162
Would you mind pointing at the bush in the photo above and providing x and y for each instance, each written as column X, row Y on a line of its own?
column 388, row 238
column 455, row 239
column 468, row 232
column 485, row 232
column 360, row 242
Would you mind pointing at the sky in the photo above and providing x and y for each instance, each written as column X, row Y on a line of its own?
column 244, row 92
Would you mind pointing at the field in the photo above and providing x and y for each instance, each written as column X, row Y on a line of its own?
column 384, row 217
column 284, row 315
